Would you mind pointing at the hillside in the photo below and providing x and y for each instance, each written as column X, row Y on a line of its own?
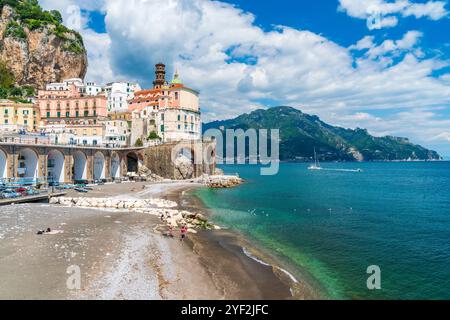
column 301, row 133
column 36, row 48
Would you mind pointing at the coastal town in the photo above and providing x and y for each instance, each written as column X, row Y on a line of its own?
column 118, row 114
column 81, row 132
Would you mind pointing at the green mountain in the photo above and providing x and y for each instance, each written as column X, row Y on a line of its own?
column 300, row 133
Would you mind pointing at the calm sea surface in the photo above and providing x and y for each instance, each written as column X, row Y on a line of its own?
column 331, row 225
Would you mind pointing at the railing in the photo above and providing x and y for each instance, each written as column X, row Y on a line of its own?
column 51, row 142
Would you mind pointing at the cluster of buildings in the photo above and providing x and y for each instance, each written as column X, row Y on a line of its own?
column 117, row 114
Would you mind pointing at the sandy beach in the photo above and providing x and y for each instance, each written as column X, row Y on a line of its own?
column 121, row 255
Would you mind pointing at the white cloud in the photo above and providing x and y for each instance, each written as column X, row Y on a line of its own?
column 390, row 49
column 445, row 136
column 383, row 14
column 239, row 67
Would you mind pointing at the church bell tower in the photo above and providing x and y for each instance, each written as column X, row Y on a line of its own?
column 160, row 76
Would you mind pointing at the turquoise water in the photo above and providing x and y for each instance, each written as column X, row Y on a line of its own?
column 333, row 224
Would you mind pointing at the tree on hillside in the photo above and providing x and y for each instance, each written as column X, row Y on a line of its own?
column 6, row 76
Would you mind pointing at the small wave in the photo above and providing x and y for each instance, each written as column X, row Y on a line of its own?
column 248, row 254
column 288, row 274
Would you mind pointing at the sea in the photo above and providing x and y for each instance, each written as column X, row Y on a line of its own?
column 381, row 233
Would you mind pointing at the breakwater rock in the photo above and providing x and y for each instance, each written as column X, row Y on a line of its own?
column 223, row 181
column 164, row 209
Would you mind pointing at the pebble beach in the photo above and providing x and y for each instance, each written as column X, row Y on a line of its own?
column 123, row 253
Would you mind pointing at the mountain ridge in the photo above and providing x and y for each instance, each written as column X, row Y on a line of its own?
column 300, row 133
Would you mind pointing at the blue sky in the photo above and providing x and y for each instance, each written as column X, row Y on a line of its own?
column 377, row 64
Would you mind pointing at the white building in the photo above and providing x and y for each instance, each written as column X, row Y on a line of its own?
column 117, row 133
column 89, row 88
column 92, row 89
column 118, row 94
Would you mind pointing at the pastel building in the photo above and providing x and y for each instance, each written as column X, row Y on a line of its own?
column 70, row 106
column 171, row 110
column 15, row 117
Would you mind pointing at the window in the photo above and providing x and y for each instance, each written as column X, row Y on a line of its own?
column 58, row 114
column 176, row 95
column 6, row 111
column 162, row 117
column 94, row 142
column 179, row 127
column 26, row 112
column 86, row 113
column 6, row 121
column 25, row 122
column 48, row 114
column 179, row 117
column 67, row 114
column 162, row 128
column 77, row 113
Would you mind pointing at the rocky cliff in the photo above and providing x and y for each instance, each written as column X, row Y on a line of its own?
column 36, row 47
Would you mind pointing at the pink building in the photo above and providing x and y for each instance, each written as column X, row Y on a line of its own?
column 70, row 106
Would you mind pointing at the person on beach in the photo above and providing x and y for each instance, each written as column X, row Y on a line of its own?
column 44, row 231
column 183, row 233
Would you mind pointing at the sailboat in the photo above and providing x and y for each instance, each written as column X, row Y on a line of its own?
column 316, row 165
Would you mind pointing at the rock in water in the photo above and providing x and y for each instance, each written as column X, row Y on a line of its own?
column 40, row 52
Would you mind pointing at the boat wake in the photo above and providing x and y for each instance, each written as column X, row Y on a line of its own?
column 343, row 170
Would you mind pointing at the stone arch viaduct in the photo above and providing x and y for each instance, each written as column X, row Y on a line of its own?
column 69, row 164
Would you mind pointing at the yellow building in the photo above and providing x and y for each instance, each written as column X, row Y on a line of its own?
column 15, row 116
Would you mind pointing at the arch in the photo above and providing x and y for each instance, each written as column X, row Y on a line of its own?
column 186, row 152
column 99, row 166
column 28, row 164
column 55, row 166
column 115, row 166
column 134, row 161
column 79, row 169
column 3, row 164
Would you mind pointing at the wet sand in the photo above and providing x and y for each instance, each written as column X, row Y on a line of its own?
column 120, row 256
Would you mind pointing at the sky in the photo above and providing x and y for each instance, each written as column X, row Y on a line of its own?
column 383, row 65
